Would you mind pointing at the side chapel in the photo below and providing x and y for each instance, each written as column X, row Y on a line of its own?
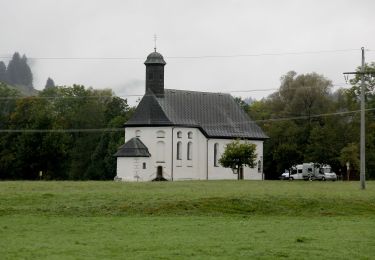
column 180, row 135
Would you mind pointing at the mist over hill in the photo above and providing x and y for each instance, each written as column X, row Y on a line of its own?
column 18, row 75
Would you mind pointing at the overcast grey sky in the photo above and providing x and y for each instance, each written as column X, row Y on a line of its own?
column 186, row 28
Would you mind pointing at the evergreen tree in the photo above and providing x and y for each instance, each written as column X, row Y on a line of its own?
column 50, row 83
column 3, row 69
column 19, row 72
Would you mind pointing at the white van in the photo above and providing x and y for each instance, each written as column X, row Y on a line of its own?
column 295, row 174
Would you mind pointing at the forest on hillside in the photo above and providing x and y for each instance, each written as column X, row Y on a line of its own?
column 72, row 132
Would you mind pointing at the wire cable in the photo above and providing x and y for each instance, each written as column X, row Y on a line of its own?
column 144, row 95
column 194, row 57
column 94, row 130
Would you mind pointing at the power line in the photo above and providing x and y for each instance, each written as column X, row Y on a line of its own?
column 193, row 57
column 94, row 130
column 144, row 95
column 262, row 54
column 313, row 116
column 271, row 89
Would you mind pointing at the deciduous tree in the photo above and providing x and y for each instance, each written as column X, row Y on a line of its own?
column 237, row 155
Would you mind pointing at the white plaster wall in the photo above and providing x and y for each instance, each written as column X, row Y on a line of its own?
column 148, row 135
column 131, row 168
column 185, row 169
column 220, row 173
column 201, row 167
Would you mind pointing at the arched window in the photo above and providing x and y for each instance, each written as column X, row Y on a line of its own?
column 160, row 147
column 179, row 151
column 160, row 134
column 259, row 166
column 137, row 133
column 179, row 134
column 144, row 165
column 216, row 151
column 190, row 135
column 190, row 151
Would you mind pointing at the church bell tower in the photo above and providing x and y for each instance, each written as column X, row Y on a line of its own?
column 155, row 74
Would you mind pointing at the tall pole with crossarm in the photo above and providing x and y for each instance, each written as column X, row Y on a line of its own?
column 363, row 134
column 363, row 137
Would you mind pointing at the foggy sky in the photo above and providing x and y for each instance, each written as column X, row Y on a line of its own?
column 118, row 28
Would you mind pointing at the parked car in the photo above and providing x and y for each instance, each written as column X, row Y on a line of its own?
column 325, row 173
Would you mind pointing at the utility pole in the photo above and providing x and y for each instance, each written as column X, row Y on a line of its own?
column 363, row 137
column 363, row 126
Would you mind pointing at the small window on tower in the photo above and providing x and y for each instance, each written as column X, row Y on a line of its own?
column 144, row 165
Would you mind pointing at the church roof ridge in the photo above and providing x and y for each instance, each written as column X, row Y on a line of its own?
column 196, row 92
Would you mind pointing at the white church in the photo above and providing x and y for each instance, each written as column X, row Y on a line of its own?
column 180, row 135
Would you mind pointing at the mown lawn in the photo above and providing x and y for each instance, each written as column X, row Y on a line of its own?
column 179, row 220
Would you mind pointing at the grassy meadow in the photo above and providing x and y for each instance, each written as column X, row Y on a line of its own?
column 180, row 220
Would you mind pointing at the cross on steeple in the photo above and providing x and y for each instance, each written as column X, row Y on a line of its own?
column 155, row 38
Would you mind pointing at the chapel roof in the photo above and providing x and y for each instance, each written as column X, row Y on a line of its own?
column 133, row 148
column 216, row 114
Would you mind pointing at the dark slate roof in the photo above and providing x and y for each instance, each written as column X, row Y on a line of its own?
column 155, row 58
column 133, row 148
column 216, row 114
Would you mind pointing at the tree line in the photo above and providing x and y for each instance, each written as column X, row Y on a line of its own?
column 68, row 152
column 305, row 119
column 309, row 122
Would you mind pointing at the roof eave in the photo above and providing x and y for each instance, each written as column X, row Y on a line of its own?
column 201, row 129
column 131, row 156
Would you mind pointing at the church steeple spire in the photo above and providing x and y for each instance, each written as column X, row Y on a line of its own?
column 155, row 38
column 155, row 73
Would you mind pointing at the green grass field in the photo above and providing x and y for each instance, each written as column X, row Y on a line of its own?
column 179, row 220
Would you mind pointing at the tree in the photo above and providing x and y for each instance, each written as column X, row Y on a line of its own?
column 8, row 97
column 369, row 79
column 354, row 94
column 305, row 94
column 237, row 155
column 50, row 83
column 242, row 103
column 349, row 154
column 60, row 154
column 283, row 149
column 3, row 74
column 18, row 71
column 287, row 117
